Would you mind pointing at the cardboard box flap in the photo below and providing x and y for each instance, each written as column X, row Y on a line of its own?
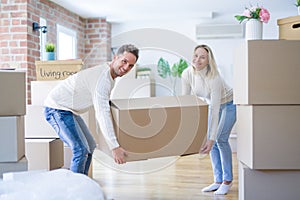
column 60, row 62
column 167, row 102
column 289, row 20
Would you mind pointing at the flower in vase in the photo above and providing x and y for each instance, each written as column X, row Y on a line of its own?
column 254, row 12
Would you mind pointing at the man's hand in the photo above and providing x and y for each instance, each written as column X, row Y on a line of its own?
column 119, row 155
column 207, row 147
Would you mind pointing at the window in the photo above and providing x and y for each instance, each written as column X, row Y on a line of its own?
column 66, row 43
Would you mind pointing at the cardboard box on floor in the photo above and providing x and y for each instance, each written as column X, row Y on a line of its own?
column 267, row 184
column 12, row 145
column 44, row 154
column 158, row 126
column 19, row 166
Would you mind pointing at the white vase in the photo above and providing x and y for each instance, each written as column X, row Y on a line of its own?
column 298, row 10
column 254, row 30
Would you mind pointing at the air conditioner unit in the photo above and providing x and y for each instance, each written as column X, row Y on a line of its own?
column 209, row 31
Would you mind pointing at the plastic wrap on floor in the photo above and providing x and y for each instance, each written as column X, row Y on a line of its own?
column 49, row 185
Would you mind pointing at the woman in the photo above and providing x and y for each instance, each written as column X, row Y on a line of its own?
column 204, row 81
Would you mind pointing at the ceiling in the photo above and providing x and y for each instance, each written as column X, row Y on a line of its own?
column 119, row 11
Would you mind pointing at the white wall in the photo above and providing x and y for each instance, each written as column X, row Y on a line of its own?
column 175, row 39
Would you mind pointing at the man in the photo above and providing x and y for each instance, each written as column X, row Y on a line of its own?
column 75, row 95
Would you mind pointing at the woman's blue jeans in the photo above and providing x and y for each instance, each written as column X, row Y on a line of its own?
column 221, row 155
column 73, row 131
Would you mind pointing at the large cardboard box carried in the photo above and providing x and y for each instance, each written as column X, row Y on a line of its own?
column 262, row 76
column 45, row 154
column 289, row 28
column 13, row 93
column 12, row 142
column 268, row 136
column 268, row 184
column 159, row 126
column 57, row 69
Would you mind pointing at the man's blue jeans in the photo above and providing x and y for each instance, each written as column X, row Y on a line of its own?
column 73, row 131
column 221, row 155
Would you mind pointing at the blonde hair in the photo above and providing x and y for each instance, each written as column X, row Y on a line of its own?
column 212, row 69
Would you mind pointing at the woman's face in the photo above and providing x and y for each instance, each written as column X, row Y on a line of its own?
column 200, row 58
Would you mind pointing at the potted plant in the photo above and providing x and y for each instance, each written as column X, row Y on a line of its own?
column 165, row 70
column 50, row 51
column 297, row 4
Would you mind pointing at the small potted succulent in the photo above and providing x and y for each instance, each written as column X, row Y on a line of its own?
column 50, row 51
column 297, row 4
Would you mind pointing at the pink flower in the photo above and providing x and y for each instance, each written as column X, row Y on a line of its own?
column 254, row 12
column 264, row 15
column 247, row 13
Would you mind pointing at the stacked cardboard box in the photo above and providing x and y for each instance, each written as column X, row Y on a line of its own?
column 12, row 111
column 57, row 69
column 266, row 86
column 289, row 28
column 44, row 149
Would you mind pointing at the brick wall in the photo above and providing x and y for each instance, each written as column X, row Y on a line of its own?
column 97, row 42
column 20, row 44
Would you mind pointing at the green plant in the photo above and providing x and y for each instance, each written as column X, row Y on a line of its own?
column 297, row 4
column 164, row 70
column 50, row 47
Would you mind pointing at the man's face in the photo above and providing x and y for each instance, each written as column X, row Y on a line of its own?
column 122, row 64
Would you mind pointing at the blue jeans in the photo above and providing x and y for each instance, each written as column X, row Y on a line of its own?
column 73, row 131
column 221, row 155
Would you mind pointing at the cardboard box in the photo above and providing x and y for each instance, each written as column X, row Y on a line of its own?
column 36, row 125
column 12, row 142
column 268, row 136
column 57, row 69
column 21, row 165
column 40, row 90
column 13, row 93
column 289, row 28
column 268, row 184
column 44, row 153
column 262, row 76
column 159, row 126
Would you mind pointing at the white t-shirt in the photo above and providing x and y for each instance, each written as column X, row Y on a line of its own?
column 212, row 90
column 87, row 88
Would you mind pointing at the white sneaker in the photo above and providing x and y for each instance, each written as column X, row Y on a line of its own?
column 212, row 187
column 223, row 189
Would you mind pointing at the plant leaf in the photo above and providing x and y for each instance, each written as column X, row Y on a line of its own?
column 181, row 66
column 240, row 18
column 163, row 68
column 174, row 70
column 178, row 68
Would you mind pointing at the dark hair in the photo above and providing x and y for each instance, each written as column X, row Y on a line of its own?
column 130, row 49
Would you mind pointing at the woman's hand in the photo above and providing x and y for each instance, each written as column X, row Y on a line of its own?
column 119, row 155
column 207, row 147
